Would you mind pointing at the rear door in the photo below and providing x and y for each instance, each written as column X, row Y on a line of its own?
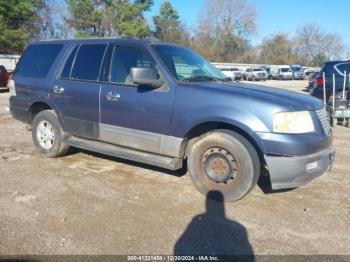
column 139, row 117
column 76, row 90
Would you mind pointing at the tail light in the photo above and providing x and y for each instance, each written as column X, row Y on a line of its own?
column 320, row 82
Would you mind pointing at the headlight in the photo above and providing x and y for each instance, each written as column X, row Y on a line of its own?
column 293, row 123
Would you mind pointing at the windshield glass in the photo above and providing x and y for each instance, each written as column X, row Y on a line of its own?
column 284, row 70
column 297, row 69
column 186, row 65
column 257, row 69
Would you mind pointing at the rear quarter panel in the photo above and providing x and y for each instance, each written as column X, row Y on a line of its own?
column 30, row 90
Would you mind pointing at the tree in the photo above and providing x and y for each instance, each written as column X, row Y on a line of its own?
column 277, row 50
column 317, row 45
column 168, row 27
column 52, row 23
column 18, row 24
column 86, row 17
column 128, row 18
column 223, row 29
column 100, row 18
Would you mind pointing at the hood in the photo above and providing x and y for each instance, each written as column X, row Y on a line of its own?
column 289, row 100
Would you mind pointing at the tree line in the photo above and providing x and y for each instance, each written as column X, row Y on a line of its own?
column 223, row 33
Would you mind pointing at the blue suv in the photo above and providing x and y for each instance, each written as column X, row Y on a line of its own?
column 162, row 104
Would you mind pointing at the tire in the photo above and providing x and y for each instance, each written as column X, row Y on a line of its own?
column 47, row 120
column 235, row 152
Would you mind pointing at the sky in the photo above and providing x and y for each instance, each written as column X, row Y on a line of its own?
column 278, row 15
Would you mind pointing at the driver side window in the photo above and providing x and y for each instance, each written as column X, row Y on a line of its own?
column 123, row 59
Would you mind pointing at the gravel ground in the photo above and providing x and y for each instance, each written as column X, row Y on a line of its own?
column 87, row 203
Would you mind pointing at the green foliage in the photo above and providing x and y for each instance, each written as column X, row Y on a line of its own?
column 18, row 24
column 99, row 18
column 168, row 27
column 222, row 33
column 128, row 18
column 86, row 17
column 277, row 50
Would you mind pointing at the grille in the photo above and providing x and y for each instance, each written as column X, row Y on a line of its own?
column 324, row 119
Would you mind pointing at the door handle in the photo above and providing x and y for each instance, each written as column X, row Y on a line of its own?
column 111, row 96
column 58, row 89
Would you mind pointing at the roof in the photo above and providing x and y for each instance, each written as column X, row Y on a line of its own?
column 102, row 40
column 337, row 61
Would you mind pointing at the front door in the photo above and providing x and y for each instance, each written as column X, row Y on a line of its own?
column 134, row 116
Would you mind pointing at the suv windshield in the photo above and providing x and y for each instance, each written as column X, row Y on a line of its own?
column 297, row 69
column 185, row 65
column 284, row 70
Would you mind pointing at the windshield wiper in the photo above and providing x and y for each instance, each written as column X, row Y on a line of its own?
column 203, row 78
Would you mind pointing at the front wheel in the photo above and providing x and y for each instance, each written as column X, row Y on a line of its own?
column 47, row 134
column 224, row 161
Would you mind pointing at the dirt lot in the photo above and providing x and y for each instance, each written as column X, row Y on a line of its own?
column 86, row 203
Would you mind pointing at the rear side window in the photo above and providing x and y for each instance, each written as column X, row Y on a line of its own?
column 88, row 62
column 37, row 60
column 68, row 66
column 343, row 67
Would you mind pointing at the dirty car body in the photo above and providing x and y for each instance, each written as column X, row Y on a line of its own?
column 168, row 99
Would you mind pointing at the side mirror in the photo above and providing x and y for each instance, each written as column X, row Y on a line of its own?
column 145, row 76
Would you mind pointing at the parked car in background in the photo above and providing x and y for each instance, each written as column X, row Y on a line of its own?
column 268, row 72
column 4, row 78
column 234, row 73
column 283, row 73
column 297, row 72
column 311, row 81
column 309, row 72
column 255, row 74
column 163, row 104
column 340, row 70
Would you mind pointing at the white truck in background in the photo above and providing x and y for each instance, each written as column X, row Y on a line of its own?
column 297, row 72
column 281, row 72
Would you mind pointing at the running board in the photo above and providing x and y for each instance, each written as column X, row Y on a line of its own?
column 125, row 153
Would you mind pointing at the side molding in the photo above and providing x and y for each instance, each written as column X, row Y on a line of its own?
column 141, row 140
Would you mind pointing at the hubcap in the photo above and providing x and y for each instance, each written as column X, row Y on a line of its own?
column 45, row 135
column 219, row 165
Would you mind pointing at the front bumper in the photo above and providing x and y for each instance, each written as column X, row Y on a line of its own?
column 290, row 172
column 260, row 77
column 289, row 77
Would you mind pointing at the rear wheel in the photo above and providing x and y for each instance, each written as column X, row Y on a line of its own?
column 47, row 134
column 224, row 161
